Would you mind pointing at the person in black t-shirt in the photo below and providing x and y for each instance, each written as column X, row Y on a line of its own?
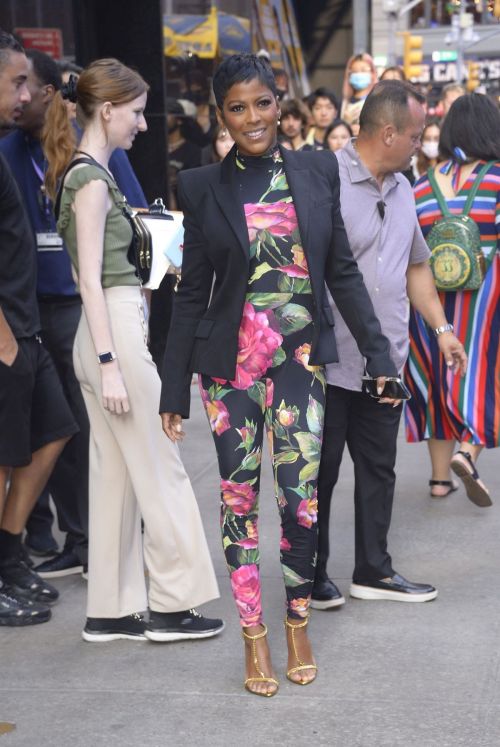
column 35, row 419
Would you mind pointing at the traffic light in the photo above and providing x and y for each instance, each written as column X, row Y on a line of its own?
column 474, row 71
column 412, row 55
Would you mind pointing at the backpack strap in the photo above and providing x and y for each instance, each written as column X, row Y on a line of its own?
column 477, row 183
column 438, row 194
column 470, row 197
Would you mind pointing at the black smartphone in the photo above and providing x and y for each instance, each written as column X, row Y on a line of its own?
column 394, row 388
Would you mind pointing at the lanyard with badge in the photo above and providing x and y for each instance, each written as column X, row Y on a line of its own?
column 46, row 241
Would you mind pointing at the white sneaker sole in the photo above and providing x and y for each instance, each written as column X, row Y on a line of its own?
column 369, row 592
column 327, row 604
column 59, row 574
column 156, row 635
column 107, row 637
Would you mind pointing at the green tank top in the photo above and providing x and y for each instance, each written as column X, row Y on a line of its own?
column 116, row 269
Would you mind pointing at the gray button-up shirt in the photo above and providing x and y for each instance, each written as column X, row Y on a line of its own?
column 383, row 248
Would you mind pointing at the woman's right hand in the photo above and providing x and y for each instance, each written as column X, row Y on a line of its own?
column 172, row 426
column 9, row 350
column 114, row 391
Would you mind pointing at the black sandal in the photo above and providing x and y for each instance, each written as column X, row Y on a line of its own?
column 476, row 492
column 445, row 484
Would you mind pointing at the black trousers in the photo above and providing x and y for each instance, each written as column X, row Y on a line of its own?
column 370, row 431
column 68, row 484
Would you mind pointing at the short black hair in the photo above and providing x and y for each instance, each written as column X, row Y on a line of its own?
column 336, row 123
column 280, row 71
column 240, row 68
column 8, row 43
column 46, row 69
column 69, row 67
column 473, row 124
column 387, row 103
column 295, row 108
column 322, row 93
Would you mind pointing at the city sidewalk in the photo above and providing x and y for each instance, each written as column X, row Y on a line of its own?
column 390, row 674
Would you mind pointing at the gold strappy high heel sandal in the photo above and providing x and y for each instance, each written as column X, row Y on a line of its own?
column 262, row 677
column 301, row 666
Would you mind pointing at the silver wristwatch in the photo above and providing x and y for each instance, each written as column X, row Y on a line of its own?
column 444, row 328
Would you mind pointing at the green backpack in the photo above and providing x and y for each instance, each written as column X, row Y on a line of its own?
column 456, row 260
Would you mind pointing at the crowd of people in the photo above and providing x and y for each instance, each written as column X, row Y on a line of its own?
column 304, row 246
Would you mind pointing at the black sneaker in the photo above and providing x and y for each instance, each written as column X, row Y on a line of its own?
column 16, row 613
column 25, row 557
column 65, row 563
column 326, row 595
column 104, row 629
column 42, row 545
column 21, row 581
column 180, row 626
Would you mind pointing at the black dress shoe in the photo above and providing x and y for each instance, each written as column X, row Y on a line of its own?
column 179, row 626
column 64, row 564
column 104, row 629
column 326, row 595
column 20, row 581
column 396, row 589
column 16, row 613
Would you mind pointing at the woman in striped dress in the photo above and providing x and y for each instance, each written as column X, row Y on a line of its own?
column 446, row 409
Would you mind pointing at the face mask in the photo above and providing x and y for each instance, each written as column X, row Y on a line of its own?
column 430, row 149
column 360, row 80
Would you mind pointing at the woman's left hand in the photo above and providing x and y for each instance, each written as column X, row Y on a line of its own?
column 172, row 426
column 453, row 352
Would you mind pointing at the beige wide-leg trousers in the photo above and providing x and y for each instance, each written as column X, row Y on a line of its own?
column 135, row 471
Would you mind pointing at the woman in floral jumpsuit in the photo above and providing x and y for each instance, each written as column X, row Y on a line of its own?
column 275, row 386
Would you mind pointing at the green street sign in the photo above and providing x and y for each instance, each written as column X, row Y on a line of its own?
column 445, row 55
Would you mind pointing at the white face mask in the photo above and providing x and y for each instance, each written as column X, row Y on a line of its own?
column 430, row 148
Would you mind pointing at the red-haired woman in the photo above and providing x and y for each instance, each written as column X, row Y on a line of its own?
column 134, row 471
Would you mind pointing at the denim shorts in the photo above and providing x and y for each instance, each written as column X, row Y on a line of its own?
column 33, row 408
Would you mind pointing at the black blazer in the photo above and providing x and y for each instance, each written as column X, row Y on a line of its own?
column 208, row 306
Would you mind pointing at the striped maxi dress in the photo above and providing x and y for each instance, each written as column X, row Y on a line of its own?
column 444, row 405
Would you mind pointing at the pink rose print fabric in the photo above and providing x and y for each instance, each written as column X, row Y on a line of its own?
column 274, row 390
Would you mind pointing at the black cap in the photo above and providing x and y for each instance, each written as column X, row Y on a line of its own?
column 175, row 107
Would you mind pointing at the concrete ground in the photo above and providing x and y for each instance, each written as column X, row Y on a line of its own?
column 390, row 674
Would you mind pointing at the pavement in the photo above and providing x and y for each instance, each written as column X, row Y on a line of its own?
column 390, row 674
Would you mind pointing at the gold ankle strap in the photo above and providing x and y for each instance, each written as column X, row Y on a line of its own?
column 255, row 637
column 297, row 625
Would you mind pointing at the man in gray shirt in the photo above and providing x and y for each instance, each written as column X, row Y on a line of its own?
column 382, row 227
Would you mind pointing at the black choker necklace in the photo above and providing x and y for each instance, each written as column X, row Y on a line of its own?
column 269, row 153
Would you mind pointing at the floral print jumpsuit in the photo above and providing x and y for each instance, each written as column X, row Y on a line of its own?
column 275, row 387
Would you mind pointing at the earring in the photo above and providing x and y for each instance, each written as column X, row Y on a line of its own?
column 223, row 133
column 279, row 122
